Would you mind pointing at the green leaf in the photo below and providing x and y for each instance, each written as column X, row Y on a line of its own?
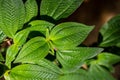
column 11, row 54
column 59, row 9
column 78, row 75
column 31, row 9
column 33, row 72
column 99, row 73
column 46, row 64
column 69, row 33
column 20, row 37
column 73, row 59
column 110, row 32
column 107, row 59
column 36, row 48
column 40, row 25
column 12, row 14
column 2, row 36
column 1, row 57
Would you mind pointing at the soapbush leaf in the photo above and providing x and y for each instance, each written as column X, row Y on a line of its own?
column 79, row 74
column 31, row 9
column 108, row 59
column 40, row 25
column 99, row 73
column 33, row 72
column 12, row 16
column 59, row 9
column 21, row 37
column 12, row 51
column 73, row 59
column 69, row 34
column 35, row 48
column 110, row 32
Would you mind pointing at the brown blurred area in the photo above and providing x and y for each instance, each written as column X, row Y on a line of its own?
column 95, row 12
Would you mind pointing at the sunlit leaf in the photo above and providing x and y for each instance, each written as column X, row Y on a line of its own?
column 69, row 34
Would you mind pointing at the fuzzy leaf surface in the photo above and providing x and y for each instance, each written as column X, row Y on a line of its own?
column 41, row 25
column 20, row 37
column 47, row 64
column 12, row 16
column 12, row 51
column 31, row 9
column 69, row 33
column 99, row 73
column 33, row 72
column 79, row 74
column 35, row 48
column 73, row 59
column 107, row 59
column 110, row 32
column 59, row 9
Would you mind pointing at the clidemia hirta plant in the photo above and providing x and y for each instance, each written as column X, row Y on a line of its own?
column 33, row 41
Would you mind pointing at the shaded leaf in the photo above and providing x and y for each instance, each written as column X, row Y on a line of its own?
column 32, row 72
column 59, row 9
column 73, row 59
column 1, row 57
column 78, row 75
column 110, row 32
column 31, row 9
column 2, row 36
column 12, row 14
column 69, row 33
column 107, row 59
column 40, row 25
column 36, row 48
column 3, row 68
column 20, row 37
column 12, row 51
column 99, row 73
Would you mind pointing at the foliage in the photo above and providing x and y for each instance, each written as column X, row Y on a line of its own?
column 110, row 32
column 26, row 56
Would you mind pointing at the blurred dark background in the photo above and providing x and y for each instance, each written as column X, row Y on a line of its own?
column 95, row 12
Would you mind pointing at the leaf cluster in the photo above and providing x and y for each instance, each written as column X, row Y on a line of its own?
column 33, row 40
